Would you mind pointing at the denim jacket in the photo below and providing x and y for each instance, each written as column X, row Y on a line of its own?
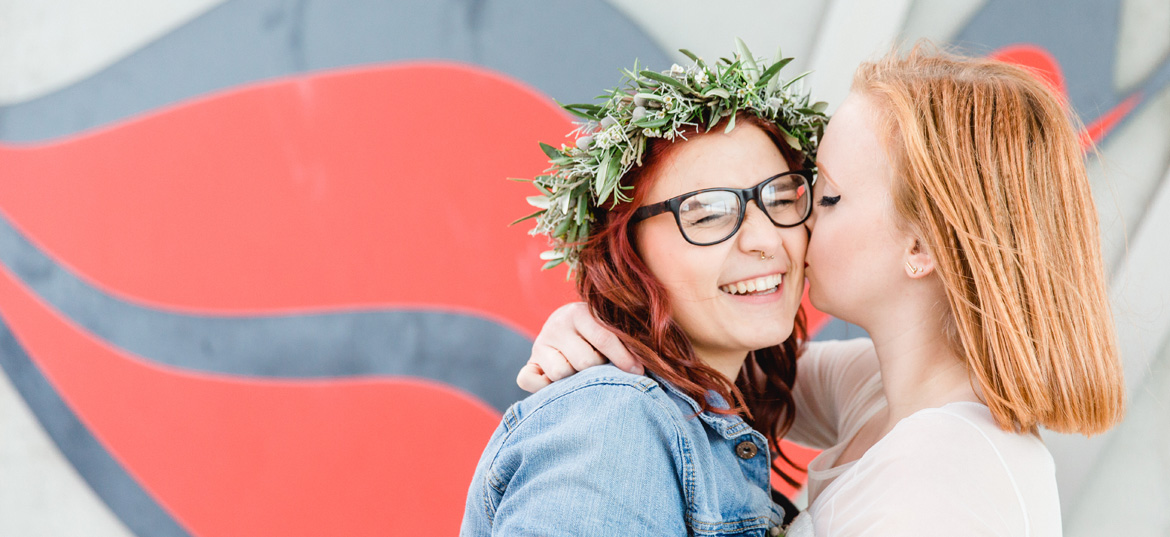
column 606, row 452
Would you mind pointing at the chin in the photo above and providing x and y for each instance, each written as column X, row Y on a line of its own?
column 775, row 335
column 818, row 300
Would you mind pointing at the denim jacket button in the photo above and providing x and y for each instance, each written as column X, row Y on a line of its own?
column 746, row 449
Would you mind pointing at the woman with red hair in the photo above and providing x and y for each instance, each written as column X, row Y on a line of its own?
column 698, row 265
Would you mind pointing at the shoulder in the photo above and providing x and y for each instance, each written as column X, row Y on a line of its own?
column 586, row 448
column 951, row 471
column 602, row 393
column 963, row 430
column 957, row 457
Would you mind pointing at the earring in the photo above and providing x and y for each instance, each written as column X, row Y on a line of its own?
column 913, row 269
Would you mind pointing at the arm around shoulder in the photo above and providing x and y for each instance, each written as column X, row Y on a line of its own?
column 829, row 378
column 600, row 459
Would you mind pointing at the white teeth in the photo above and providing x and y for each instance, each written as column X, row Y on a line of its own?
column 766, row 283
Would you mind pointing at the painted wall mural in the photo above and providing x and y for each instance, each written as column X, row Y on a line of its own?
column 256, row 276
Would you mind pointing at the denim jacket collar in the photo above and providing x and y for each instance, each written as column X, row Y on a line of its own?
column 729, row 426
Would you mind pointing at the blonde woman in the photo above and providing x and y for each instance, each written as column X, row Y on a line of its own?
column 955, row 225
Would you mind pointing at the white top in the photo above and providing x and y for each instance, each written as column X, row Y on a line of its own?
column 940, row 471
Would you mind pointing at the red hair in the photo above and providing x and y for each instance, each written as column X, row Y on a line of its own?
column 623, row 293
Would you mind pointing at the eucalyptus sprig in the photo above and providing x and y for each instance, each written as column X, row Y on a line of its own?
column 612, row 135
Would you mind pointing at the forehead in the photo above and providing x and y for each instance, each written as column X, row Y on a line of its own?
column 851, row 153
column 738, row 159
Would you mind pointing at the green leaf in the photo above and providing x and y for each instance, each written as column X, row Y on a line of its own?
column 562, row 227
column 540, row 202
column 793, row 141
column 552, row 263
column 820, row 106
column 798, row 77
column 651, row 124
column 533, row 215
column 585, row 111
column 716, row 115
column 552, row 152
column 649, row 96
column 602, row 172
column 731, row 122
column 750, row 70
column 771, row 72
column 542, row 189
column 666, row 80
column 690, row 55
column 582, row 213
column 717, row 91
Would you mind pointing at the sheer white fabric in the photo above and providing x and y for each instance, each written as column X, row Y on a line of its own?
column 941, row 471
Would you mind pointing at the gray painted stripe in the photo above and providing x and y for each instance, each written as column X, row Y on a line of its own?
column 476, row 355
column 836, row 329
column 570, row 50
column 1086, row 57
column 137, row 509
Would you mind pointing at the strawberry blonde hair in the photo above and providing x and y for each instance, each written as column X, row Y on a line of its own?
column 989, row 171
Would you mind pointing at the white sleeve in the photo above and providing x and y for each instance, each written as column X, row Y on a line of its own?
column 834, row 381
column 943, row 477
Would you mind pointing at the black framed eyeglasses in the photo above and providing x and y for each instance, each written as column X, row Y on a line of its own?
column 713, row 215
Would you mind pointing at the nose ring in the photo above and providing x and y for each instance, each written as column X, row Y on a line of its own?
column 764, row 256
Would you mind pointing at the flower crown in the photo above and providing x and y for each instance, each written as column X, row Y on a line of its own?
column 648, row 104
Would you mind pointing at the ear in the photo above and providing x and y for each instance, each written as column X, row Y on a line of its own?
column 919, row 262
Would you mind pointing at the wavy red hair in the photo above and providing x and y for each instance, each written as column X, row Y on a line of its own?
column 623, row 293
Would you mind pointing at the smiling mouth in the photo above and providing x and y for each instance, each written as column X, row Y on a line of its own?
column 756, row 286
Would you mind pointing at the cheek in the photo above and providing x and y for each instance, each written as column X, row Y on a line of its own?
column 682, row 268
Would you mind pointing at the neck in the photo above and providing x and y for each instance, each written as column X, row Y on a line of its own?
column 727, row 363
column 919, row 367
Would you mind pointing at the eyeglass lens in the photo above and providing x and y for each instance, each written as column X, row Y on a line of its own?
column 710, row 217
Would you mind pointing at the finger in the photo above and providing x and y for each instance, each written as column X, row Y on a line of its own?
column 531, row 379
column 552, row 362
column 578, row 352
column 607, row 343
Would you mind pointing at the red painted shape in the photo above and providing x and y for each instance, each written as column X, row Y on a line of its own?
column 377, row 187
column 799, row 455
column 370, row 187
column 1096, row 131
column 233, row 457
column 1037, row 59
column 1047, row 68
column 815, row 319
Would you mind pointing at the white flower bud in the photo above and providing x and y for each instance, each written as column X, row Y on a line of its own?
column 639, row 113
column 640, row 100
column 584, row 142
column 607, row 121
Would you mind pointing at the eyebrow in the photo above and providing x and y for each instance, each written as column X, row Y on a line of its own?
column 822, row 170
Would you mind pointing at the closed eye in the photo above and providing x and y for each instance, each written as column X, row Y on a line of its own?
column 829, row 201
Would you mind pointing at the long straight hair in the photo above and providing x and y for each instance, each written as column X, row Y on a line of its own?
column 623, row 293
column 989, row 171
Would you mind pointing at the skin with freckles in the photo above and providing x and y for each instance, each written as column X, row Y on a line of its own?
column 724, row 327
